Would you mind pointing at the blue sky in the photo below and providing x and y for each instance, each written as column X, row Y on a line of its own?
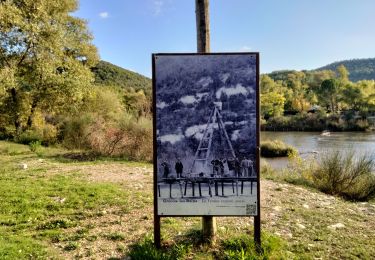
column 289, row 34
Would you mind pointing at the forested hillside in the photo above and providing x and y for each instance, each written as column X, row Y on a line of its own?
column 109, row 74
column 359, row 69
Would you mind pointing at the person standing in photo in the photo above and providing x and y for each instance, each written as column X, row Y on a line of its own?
column 238, row 167
column 246, row 166
column 166, row 169
column 215, row 167
column 231, row 166
column 179, row 167
column 221, row 166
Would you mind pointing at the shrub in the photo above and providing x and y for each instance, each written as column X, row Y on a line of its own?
column 128, row 138
column 105, row 128
column 276, row 148
column 49, row 134
column 29, row 136
column 35, row 146
column 75, row 131
column 342, row 174
column 317, row 121
column 45, row 134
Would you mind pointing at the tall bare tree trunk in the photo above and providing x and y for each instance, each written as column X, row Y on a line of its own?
column 203, row 45
column 16, row 120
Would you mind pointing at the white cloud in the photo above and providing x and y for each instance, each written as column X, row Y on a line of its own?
column 195, row 129
column 104, row 15
column 171, row 138
column 161, row 105
column 224, row 77
column 235, row 135
column 245, row 48
column 238, row 89
column 198, row 130
column 188, row 100
column 205, row 81
column 203, row 94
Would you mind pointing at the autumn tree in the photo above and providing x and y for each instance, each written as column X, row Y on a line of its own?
column 45, row 56
column 360, row 96
column 272, row 97
column 329, row 93
column 343, row 73
column 296, row 97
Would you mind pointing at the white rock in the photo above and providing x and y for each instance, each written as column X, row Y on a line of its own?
column 306, row 206
column 336, row 226
column 277, row 208
column 23, row 166
column 300, row 226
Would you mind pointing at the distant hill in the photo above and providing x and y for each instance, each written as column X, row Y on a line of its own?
column 279, row 74
column 359, row 69
column 107, row 73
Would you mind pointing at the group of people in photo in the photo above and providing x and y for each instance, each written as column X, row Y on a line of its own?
column 235, row 168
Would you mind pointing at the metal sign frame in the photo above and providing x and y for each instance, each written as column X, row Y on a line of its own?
column 157, row 217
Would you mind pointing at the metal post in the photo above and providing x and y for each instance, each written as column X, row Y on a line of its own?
column 203, row 45
column 257, row 227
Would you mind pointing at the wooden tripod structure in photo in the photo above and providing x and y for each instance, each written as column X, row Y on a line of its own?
column 203, row 152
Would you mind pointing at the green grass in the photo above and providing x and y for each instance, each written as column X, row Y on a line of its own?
column 55, row 210
column 116, row 236
column 334, row 173
column 341, row 174
column 36, row 205
column 276, row 148
column 231, row 247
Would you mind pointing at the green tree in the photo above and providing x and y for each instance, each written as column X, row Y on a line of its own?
column 315, row 78
column 360, row 96
column 271, row 97
column 328, row 94
column 343, row 73
column 45, row 58
column 297, row 97
column 137, row 103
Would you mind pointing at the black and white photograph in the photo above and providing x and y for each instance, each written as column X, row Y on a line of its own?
column 206, row 133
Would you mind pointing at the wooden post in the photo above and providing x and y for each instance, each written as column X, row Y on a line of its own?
column 203, row 25
column 203, row 45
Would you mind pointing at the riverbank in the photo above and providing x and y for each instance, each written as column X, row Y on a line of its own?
column 317, row 123
column 64, row 208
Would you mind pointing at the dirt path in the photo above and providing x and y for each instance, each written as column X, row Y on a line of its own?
column 312, row 223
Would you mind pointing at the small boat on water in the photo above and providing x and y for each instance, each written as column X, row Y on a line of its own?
column 326, row 133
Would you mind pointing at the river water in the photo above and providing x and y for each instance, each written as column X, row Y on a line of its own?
column 313, row 143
